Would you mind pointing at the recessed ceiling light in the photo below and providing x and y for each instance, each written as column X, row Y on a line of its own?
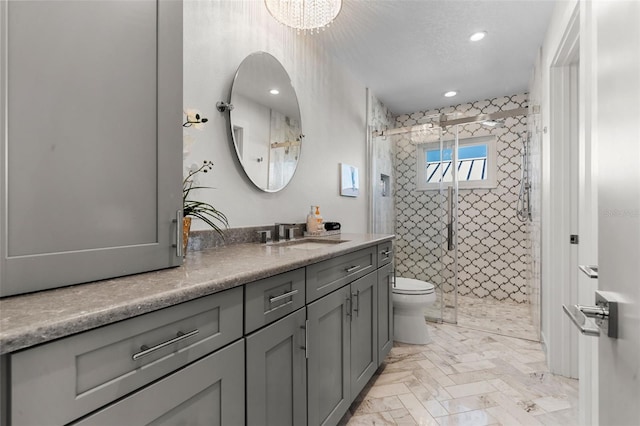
column 450, row 93
column 478, row 36
column 274, row 91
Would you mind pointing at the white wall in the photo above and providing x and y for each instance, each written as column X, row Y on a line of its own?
column 218, row 35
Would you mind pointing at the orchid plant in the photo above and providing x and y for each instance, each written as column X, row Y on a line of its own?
column 204, row 211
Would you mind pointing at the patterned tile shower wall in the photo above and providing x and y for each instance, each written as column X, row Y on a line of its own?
column 493, row 245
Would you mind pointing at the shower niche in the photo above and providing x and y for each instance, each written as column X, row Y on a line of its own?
column 385, row 185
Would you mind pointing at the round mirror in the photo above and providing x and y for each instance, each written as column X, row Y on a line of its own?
column 265, row 121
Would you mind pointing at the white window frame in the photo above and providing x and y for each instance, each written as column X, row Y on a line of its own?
column 491, row 167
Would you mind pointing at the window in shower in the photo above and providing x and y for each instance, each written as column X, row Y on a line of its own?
column 474, row 163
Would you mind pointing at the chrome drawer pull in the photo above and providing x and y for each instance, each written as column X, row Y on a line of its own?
column 386, row 253
column 273, row 299
column 145, row 350
column 353, row 268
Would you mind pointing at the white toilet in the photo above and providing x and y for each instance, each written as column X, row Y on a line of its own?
column 410, row 298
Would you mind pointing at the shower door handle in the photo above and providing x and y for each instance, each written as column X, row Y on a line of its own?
column 450, row 218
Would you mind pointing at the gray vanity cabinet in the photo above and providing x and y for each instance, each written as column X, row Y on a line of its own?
column 364, row 331
column 276, row 373
column 385, row 311
column 90, row 118
column 208, row 392
column 329, row 351
column 66, row 379
column 343, row 348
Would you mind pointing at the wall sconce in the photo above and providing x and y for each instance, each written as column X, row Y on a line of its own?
column 194, row 119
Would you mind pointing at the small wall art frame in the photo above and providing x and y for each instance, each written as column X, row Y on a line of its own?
column 349, row 181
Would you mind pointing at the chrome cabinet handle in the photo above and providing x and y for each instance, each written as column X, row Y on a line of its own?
column 145, row 350
column 351, row 269
column 305, row 327
column 178, row 220
column 348, row 310
column 273, row 299
column 357, row 307
column 386, row 252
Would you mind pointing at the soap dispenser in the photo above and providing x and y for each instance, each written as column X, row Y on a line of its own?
column 312, row 224
column 319, row 225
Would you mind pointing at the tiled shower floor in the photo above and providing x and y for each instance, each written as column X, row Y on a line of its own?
column 466, row 377
column 502, row 317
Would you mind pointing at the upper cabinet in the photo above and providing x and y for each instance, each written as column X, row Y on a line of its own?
column 91, row 156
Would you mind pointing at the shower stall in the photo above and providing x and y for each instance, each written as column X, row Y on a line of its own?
column 460, row 199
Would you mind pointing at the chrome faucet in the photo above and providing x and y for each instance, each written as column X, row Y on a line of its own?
column 282, row 232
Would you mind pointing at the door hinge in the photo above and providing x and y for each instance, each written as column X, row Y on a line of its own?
column 573, row 239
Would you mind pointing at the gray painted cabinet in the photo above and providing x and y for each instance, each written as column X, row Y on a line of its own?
column 90, row 146
column 329, row 349
column 208, row 392
column 277, row 373
column 364, row 331
column 289, row 367
column 92, row 369
column 385, row 311
column 343, row 348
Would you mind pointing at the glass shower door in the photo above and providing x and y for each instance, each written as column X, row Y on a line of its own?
column 448, row 193
column 424, row 221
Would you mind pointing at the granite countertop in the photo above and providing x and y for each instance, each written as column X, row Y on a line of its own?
column 35, row 318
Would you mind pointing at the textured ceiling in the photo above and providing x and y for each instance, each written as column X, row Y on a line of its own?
column 409, row 52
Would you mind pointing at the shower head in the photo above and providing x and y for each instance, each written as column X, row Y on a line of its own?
column 492, row 124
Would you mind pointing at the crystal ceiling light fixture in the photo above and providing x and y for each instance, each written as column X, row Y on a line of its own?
column 478, row 36
column 304, row 15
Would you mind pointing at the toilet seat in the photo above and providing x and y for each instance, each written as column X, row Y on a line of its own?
column 412, row 286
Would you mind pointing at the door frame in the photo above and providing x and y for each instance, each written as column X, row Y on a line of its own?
column 572, row 206
column 558, row 276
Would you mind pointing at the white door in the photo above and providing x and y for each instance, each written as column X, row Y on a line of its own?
column 617, row 103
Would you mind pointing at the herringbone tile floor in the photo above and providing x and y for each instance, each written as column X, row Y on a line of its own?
column 466, row 377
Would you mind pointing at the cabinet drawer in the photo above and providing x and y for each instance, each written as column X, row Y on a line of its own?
column 385, row 253
column 272, row 298
column 329, row 275
column 65, row 379
column 208, row 392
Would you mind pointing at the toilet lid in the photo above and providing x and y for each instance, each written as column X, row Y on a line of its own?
column 412, row 286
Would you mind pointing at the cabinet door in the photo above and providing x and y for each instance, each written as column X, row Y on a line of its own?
column 91, row 140
column 276, row 373
column 328, row 373
column 385, row 312
column 209, row 392
column 364, row 331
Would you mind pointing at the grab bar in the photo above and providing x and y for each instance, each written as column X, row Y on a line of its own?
column 450, row 218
